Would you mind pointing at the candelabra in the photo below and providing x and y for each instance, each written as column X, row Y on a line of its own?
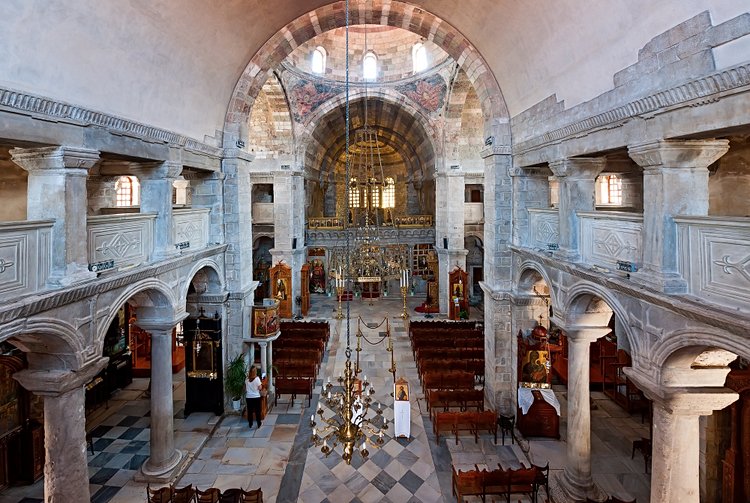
column 339, row 293
column 404, row 288
column 350, row 425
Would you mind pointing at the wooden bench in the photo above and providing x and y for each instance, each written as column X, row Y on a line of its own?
column 294, row 386
column 500, row 482
column 468, row 483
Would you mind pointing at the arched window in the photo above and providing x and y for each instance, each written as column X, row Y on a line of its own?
column 127, row 190
column 370, row 66
column 353, row 193
column 375, row 194
column 319, row 60
column 419, row 57
column 610, row 190
column 389, row 193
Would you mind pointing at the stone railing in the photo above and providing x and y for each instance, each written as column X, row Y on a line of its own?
column 609, row 237
column 544, row 227
column 414, row 221
column 126, row 239
column 25, row 251
column 325, row 223
column 473, row 213
column 714, row 259
column 190, row 228
column 263, row 213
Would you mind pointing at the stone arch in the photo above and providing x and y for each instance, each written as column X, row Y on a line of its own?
column 152, row 294
column 50, row 344
column 588, row 304
column 529, row 274
column 270, row 128
column 383, row 12
column 205, row 272
column 692, row 356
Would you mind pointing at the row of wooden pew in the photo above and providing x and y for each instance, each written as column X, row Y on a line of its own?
column 190, row 494
column 441, row 345
column 500, row 482
column 297, row 355
column 457, row 422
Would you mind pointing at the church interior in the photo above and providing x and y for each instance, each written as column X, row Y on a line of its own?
column 476, row 251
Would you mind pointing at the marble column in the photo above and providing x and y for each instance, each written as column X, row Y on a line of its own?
column 163, row 457
column 263, row 356
column 271, row 387
column 576, row 192
column 66, row 474
column 576, row 481
column 675, row 182
column 59, row 174
column 675, row 461
column 156, row 197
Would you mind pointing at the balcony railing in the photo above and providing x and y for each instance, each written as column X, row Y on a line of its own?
column 414, row 221
column 473, row 213
column 190, row 228
column 25, row 251
column 263, row 213
column 544, row 228
column 609, row 237
column 325, row 223
column 714, row 259
column 127, row 239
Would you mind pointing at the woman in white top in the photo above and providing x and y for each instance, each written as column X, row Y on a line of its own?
column 252, row 395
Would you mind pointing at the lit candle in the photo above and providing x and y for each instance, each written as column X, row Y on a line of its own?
column 378, row 405
column 325, row 443
column 364, row 446
column 365, row 378
column 329, row 395
column 380, row 435
column 312, row 419
column 315, row 432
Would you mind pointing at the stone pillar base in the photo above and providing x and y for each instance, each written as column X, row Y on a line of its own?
column 567, row 488
column 167, row 473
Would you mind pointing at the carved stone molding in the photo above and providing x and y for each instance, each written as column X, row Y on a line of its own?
column 495, row 150
column 678, row 153
column 578, row 167
column 692, row 93
column 54, row 158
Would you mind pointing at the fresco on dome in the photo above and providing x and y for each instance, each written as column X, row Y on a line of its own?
column 306, row 96
column 429, row 93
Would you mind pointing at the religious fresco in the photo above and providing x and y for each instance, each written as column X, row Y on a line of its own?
column 429, row 93
column 306, row 96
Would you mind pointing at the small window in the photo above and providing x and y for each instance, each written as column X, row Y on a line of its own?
column 610, row 190
column 375, row 195
column 319, row 60
column 370, row 66
column 353, row 193
column 419, row 57
column 389, row 193
column 127, row 190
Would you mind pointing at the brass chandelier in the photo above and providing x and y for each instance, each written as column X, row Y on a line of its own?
column 350, row 423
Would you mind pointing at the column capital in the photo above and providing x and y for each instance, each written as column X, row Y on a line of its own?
column 156, row 325
column 157, row 170
column 678, row 153
column 583, row 333
column 54, row 158
column 528, row 171
column 56, row 382
column 578, row 167
column 204, row 175
column 493, row 150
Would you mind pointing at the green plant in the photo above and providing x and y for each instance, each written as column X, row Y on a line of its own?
column 234, row 380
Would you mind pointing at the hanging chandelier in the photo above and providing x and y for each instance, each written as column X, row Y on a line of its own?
column 348, row 422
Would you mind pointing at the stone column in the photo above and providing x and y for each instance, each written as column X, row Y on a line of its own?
column 577, row 190
column 66, row 474
column 675, row 461
column 238, row 235
column 289, row 224
column 576, row 481
column 156, row 197
column 263, row 356
column 675, row 182
column 530, row 190
column 271, row 387
column 449, row 227
column 59, row 174
column 163, row 456
column 207, row 191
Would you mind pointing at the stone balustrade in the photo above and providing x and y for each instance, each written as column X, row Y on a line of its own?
column 414, row 221
column 473, row 213
column 263, row 213
column 609, row 237
column 126, row 239
column 25, row 249
column 714, row 259
column 190, row 228
column 544, row 225
column 322, row 222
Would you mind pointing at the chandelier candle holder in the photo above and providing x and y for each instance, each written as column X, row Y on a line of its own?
column 404, row 288
column 350, row 426
column 340, row 293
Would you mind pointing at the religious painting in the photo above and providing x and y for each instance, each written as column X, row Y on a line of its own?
column 402, row 392
column 317, row 276
column 534, row 369
column 429, row 93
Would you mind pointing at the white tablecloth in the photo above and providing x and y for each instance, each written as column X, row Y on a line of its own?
column 526, row 398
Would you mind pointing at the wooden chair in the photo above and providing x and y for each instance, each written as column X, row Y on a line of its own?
column 507, row 425
column 469, row 483
column 231, row 496
column 183, row 494
column 252, row 496
column 161, row 495
column 210, row 495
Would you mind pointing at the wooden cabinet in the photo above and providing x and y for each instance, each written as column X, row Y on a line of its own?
column 281, row 288
column 459, row 294
column 541, row 420
column 618, row 387
column 305, row 289
column 204, row 381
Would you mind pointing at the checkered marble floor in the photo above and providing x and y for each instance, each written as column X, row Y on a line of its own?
column 278, row 458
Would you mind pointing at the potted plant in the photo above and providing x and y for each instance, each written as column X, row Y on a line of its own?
column 234, row 380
